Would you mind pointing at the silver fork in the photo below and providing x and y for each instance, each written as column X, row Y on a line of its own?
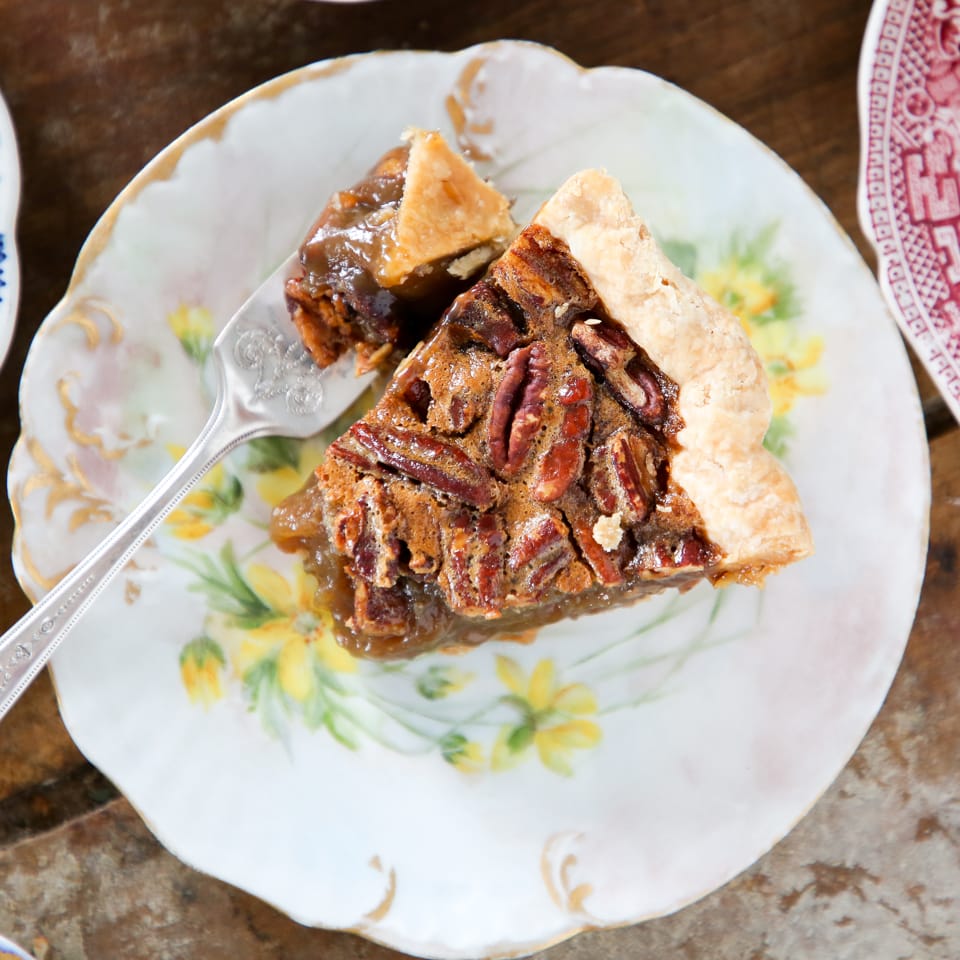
column 267, row 385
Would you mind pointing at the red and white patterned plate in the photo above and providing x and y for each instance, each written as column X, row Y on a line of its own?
column 909, row 195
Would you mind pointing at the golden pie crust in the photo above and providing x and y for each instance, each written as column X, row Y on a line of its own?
column 446, row 209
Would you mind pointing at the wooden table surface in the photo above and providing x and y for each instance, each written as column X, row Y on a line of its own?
column 96, row 88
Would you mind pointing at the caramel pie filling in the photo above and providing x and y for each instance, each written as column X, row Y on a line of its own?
column 515, row 472
column 338, row 303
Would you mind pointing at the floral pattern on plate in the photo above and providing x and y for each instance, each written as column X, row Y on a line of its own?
column 615, row 768
column 263, row 640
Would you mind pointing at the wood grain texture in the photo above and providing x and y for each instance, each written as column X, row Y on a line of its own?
column 98, row 87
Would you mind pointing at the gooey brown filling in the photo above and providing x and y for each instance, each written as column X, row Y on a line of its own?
column 466, row 503
column 338, row 303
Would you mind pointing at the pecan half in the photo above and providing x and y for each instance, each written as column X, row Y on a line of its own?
column 581, row 517
column 346, row 449
column 674, row 552
column 624, row 475
column 518, row 407
column 472, row 574
column 539, row 274
column 692, row 552
column 379, row 611
column 562, row 464
column 608, row 351
column 445, row 468
column 486, row 315
column 345, row 529
column 376, row 550
column 538, row 553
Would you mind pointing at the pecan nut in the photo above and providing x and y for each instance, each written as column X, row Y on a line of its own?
column 624, row 475
column 539, row 274
column 379, row 611
column 472, row 574
column 346, row 449
column 486, row 315
column 376, row 549
column 517, row 411
column 563, row 462
column 538, row 553
column 667, row 553
column 606, row 565
column 610, row 353
column 692, row 551
column 439, row 465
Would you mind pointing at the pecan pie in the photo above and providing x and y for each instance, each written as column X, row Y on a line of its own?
column 387, row 254
column 582, row 428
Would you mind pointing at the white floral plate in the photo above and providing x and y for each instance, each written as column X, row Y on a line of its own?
column 9, row 201
column 487, row 804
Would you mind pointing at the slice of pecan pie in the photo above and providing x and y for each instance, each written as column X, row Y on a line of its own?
column 582, row 428
column 389, row 253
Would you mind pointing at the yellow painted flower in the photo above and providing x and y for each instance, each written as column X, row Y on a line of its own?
column 193, row 327
column 745, row 287
column 761, row 295
column 218, row 495
column 298, row 635
column 201, row 661
column 279, row 484
column 551, row 717
column 466, row 755
column 283, row 466
column 791, row 361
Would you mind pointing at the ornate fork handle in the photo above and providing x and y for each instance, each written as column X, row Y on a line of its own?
column 26, row 647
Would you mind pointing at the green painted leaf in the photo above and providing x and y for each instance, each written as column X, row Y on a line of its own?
column 226, row 500
column 520, row 737
column 197, row 346
column 260, row 680
column 518, row 703
column 270, row 453
column 200, row 650
column 777, row 440
column 227, row 590
column 435, row 684
column 336, row 724
column 316, row 711
column 452, row 746
column 263, row 693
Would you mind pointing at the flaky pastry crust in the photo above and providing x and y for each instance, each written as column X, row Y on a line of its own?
column 447, row 209
column 748, row 503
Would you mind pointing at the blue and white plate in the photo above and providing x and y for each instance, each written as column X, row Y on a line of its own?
column 9, row 201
